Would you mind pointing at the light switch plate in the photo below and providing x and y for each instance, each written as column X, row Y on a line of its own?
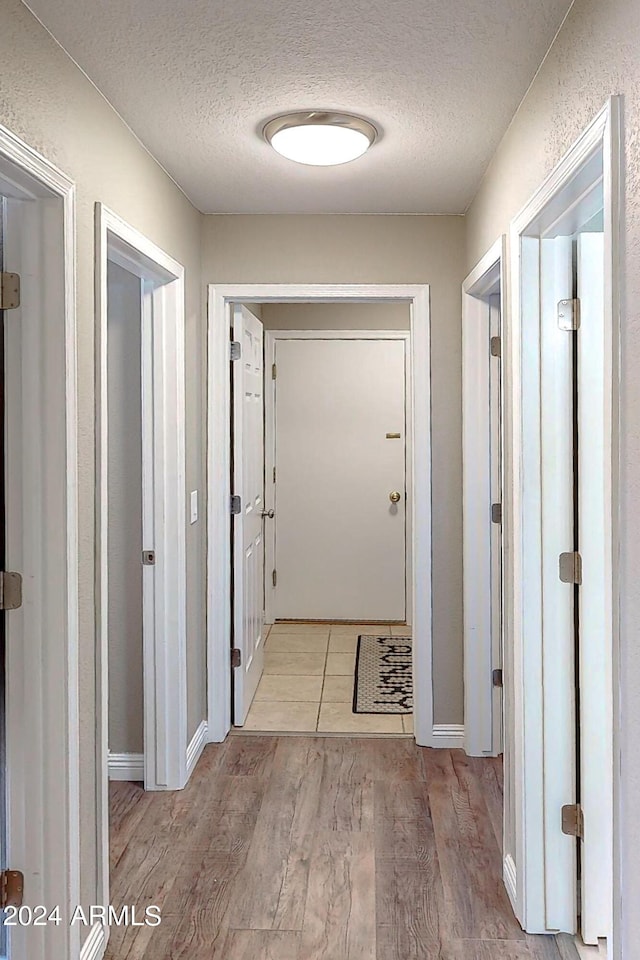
column 194, row 506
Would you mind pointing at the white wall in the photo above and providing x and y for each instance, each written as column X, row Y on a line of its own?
column 124, row 340
column 381, row 249
column 595, row 55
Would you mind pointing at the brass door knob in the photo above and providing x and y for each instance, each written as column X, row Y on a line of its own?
column 394, row 496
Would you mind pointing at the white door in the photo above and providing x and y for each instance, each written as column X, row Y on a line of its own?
column 248, row 484
column 595, row 598
column 340, row 487
column 495, row 394
column 558, row 624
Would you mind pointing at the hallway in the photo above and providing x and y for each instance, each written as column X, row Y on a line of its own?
column 302, row 848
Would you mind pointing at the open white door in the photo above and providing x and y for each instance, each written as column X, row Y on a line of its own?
column 558, row 597
column 594, row 492
column 248, row 484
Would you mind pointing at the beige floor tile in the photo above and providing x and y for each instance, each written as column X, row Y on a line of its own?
column 298, row 643
column 355, row 629
column 290, row 627
column 339, row 718
column 293, row 664
column 275, row 687
column 407, row 722
column 292, row 717
column 342, row 644
column 340, row 664
column 398, row 631
column 338, row 689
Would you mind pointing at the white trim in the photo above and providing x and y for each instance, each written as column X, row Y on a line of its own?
column 96, row 943
column 165, row 682
column 270, row 337
column 449, row 735
column 195, row 748
column 45, row 542
column 597, row 148
column 482, row 701
column 126, row 766
column 510, row 877
column 218, row 482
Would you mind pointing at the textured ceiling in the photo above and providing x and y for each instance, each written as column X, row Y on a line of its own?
column 195, row 80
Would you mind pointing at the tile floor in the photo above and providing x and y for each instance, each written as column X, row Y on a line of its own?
column 307, row 684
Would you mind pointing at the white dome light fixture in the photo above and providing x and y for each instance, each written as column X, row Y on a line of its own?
column 320, row 138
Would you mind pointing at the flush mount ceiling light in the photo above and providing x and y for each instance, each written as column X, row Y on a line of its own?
column 320, row 138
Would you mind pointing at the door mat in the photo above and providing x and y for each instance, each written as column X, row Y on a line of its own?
column 384, row 676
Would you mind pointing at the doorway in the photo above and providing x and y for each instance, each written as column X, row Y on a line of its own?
column 220, row 322
column 141, row 517
column 323, row 522
column 40, row 755
column 563, row 351
column 484, row 509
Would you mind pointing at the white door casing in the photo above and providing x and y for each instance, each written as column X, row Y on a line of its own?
column 340, row 543
column 221, row 299
column 248, row 524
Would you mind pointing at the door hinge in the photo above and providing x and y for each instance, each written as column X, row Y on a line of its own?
column 274, row 578
column 496, row 513
column 274, row 474
column 497, row 678
column 235, row 350
column 274, row 371
column 9, row 291
column 10, row 590
column 236, row 657
column 149, row 558
column 11, row 889
column 496, row 346
column 570, row 567
column 573, row 820
column 235, row 504
column 569, row 314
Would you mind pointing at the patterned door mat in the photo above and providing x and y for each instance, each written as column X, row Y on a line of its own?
column 384, row 675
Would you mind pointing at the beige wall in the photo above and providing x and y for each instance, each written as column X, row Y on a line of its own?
column 381, row 249
column 124, row 343
column 46, row 101
column 336, row 316
column 596, row 54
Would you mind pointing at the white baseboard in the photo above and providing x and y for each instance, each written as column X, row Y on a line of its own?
column 95, row 945
column 195, row 748
column 126, row 766
column 510, row 878
column 448, row 735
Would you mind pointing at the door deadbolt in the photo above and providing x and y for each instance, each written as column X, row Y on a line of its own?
column 268, row 513
column 395, row 496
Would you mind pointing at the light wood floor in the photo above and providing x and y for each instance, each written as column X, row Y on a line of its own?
column 294, row 848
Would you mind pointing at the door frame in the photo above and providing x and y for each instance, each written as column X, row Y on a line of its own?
column 596, row 154
column 483, row 702
column 218, row 482
column 43, row 635
column 163, row 432
column 270, row 338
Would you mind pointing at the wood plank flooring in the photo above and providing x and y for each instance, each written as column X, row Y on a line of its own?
column 294, row 848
